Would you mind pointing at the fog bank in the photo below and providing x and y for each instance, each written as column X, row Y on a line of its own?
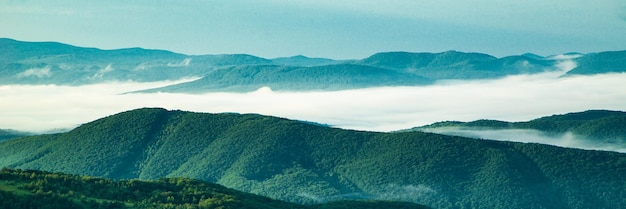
column 530, row 136
column 515, row 98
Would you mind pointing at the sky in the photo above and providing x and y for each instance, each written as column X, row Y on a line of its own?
column 348, row 29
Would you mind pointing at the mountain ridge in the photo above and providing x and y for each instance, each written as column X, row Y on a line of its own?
column 305, row 163
column 36, row 63
column 592, row 127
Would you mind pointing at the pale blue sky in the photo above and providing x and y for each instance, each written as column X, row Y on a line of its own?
column 324, row 28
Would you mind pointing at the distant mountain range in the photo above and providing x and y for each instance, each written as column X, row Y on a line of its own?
column 62, row 64
column 308, row 163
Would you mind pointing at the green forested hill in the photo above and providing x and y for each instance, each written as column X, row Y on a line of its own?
column 305, row 163
column 603, row 126
column 37, row 189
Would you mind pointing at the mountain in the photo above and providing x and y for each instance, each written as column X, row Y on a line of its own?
column 37, row 189
column 592, row 127
column 36, row 63
column 229, row 60
column 304, row 61
column 332, row 77
column 6, row 134
column 458, row 65
column 62, row 64
column 306, row 163
column 602, row 62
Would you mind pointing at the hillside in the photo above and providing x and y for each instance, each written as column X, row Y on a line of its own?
column 37, row 189
column 602, row 62
column 458, row 65
column 602, row 127
column 331, row 77
column 306, row 163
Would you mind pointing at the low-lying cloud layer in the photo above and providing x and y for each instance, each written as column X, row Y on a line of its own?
column 515, row 98
column 531, row 136
column 394, row 192
column 36, row 72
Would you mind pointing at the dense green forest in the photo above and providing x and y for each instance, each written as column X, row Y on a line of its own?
column 598, row 126
column 307, row 163
column 37, row 189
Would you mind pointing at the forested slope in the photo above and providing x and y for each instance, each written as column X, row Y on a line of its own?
column 305, row 163
column 600, row 126
column 601, row 62
column 37, row 189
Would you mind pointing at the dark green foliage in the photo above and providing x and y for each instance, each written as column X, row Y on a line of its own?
column 603, row 62
column 71, row 65
column 305, row 163
column 37, row 189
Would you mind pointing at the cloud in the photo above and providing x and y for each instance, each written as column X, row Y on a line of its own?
column 395, row 192
column 411, row 193
column 530, row 136
column 36, row 72
column 101, row 72
column 515, row 98
column 183, row 63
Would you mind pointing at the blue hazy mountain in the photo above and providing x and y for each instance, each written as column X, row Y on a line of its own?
column 306, row 163
column 305, row 61
column 602, row 62
column 458, row 65
column 290, row 78
column 62, row 64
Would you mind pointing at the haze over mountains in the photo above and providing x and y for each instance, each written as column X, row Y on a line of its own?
column 43, row 80
column 61, row 64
